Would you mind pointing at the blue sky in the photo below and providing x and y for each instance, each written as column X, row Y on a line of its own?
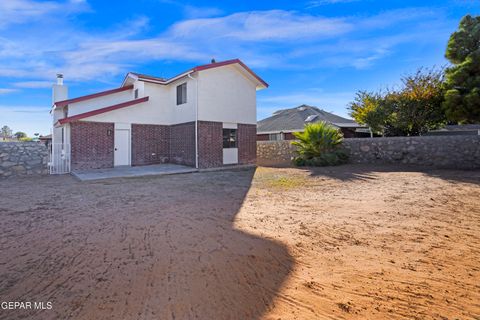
column 317, row 52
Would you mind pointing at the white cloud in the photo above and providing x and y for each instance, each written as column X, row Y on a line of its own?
column 21, row 11
column 273, row 25
column 263, row 39
column 7, row 90
column 33, row 84
column 319, row 3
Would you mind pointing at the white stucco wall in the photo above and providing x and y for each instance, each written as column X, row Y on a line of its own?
column 100, row 102
column 161, row 108
column 226, row 95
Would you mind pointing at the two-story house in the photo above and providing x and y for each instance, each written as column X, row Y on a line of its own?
column 204, row 117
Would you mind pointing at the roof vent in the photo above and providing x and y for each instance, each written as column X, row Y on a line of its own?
column 312, row 117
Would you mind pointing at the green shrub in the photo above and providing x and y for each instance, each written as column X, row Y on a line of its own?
column 319, row 145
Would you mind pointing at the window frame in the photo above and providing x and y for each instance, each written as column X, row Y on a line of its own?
column 276, row 136
column 229, row 138
column 181, row 94
column 135, row 94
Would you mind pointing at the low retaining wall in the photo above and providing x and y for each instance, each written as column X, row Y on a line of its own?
column 23, row 159
column 462, row 152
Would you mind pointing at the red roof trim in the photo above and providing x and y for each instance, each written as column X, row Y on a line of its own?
column 92, row 96
column 228, row 62
column 102, row 110
column 145, row 78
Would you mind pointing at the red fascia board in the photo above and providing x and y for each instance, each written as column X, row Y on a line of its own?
column 204, row 67
column 102, row 110
column 228, row 62
column 92, row 96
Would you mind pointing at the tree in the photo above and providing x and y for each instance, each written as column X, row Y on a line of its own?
column 6, row 132
column 319, row 145
column 19, row 135
column 462, row 98
column 368, row 108
column 411, row 110
column 417, row 107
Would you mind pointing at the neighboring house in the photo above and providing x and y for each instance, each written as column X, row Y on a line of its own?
column 456, row 130
column 282, row 124
column 47, row 140
column 204, row 117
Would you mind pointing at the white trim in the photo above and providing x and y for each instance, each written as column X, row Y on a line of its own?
column 196, row 119
column 229, row 125
column 279, row 131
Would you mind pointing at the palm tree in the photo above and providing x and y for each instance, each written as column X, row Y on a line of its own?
column 319, row 145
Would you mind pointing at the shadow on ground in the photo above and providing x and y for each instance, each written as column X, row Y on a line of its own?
column 139, row 248
column 365, row 172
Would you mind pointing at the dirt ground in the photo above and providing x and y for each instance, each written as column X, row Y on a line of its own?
column 350, row 242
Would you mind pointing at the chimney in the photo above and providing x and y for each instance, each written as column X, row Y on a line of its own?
column 59, row 91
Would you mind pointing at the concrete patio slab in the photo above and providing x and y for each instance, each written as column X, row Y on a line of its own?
column 127, row 171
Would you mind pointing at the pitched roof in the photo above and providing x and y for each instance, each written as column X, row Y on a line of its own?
column 102, row 110
column 294, row 119
column 159, row 80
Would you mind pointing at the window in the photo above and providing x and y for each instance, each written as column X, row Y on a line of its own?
column 136, row 94
column 229, row 138
column 182, row 94
column 276, row 136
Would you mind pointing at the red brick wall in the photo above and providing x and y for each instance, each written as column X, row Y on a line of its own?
column 348, row 132
column 150, row 144
column 289, row 136
column 210, row 144
column 91, row 145
column 182, row 143
column 247, row 143
column 262, row 137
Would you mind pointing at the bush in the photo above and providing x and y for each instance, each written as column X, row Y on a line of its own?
column 319, row 145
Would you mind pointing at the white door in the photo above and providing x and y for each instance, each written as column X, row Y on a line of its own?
column 122, row 148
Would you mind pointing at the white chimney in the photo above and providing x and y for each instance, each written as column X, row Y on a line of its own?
column 59, row 92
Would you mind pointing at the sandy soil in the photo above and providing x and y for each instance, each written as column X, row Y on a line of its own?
column 351, row 242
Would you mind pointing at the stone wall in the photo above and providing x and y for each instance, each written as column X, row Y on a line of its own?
column 23, row 159
column 462, row 152
column 275, row 153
